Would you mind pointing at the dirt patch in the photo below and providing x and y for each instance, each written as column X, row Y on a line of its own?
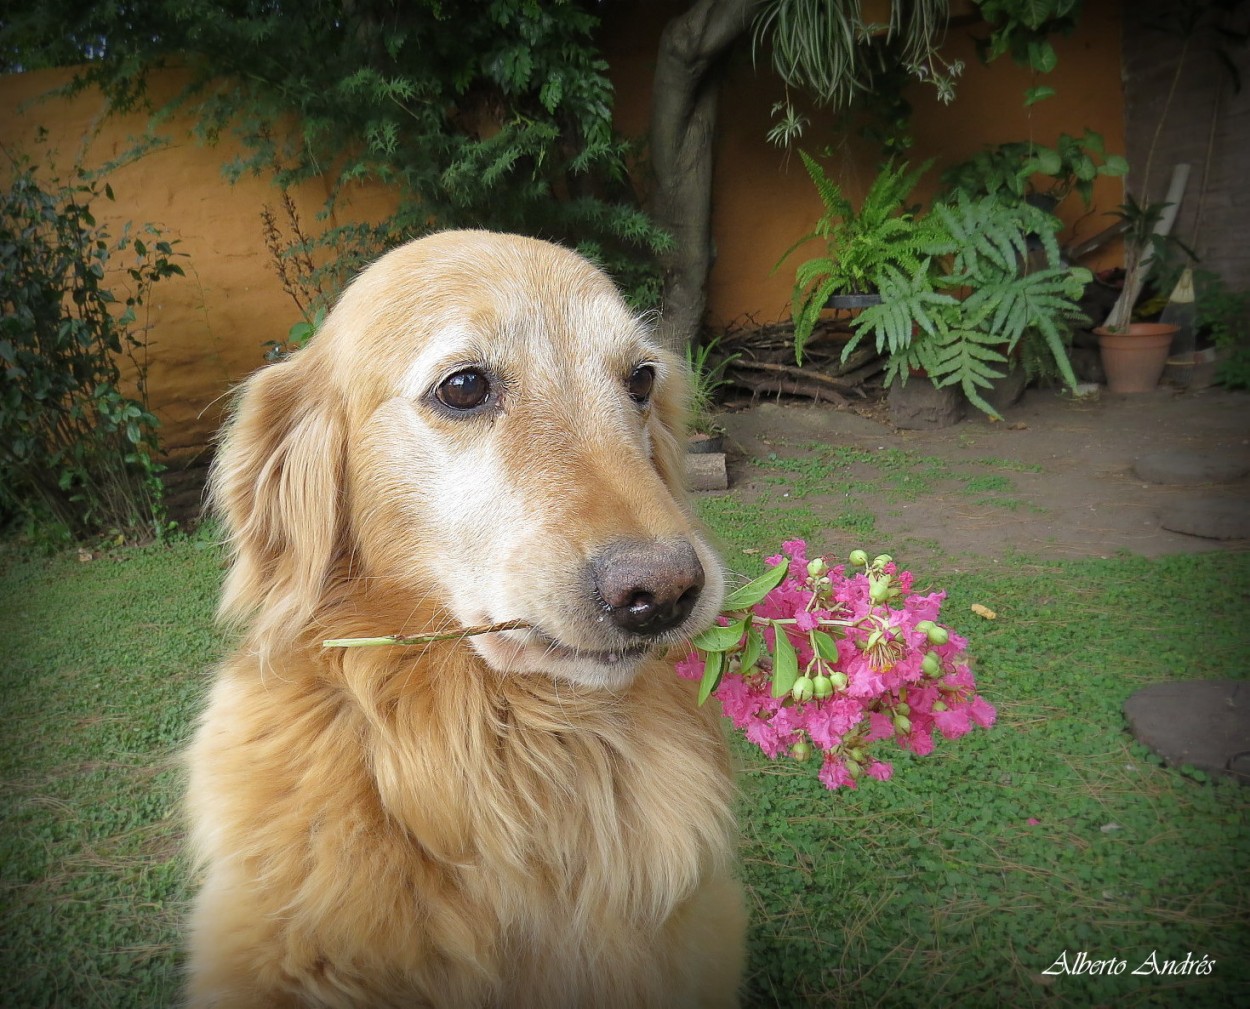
column 1055, row 479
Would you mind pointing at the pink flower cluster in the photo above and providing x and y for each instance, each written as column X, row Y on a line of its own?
column 897, row 674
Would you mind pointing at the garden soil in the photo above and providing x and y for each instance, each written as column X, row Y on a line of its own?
column 1057, row 477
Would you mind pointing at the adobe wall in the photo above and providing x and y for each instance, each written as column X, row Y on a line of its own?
column 209, row 328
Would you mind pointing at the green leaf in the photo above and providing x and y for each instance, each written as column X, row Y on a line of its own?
column 826, row 647
column 1034, row 95
column 753, row 650
column 753, row 591
column 1042, row 56
column 785, row 664
column 1048, row 161
column 713, row 667
column 1115, row 164
column 720, row 639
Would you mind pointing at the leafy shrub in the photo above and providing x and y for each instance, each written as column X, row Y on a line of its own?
column 960, row 286
column 77, row 453
column 884, row 235
column 1225, row 316
column 472, row 115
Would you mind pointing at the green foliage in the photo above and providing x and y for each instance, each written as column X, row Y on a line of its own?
column 1140, row 247
column 833, row 53
column 1022, row 169
column 75, row 449
column 966, row 341
column 707, row 377
column 494, row 115
column 1022, row 29
column 836, row 54
column 961, row 286
column 1225, row 315
column 864, row 247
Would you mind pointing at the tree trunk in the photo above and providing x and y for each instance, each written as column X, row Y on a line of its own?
column 683, row 120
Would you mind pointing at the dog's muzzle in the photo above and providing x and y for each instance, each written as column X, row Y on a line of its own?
column 647, row 587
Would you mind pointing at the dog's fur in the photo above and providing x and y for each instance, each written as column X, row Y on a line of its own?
column 520, row 819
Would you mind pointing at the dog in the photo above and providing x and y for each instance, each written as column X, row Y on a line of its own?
column 481, row 432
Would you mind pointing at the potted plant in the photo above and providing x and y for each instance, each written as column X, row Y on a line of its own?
column 962, row 295
column 1134, row 354
column 861, row 246
column 1034, row 173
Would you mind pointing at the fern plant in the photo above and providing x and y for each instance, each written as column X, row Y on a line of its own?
column 881, row 239
column 1009, row 295
column 960, row 287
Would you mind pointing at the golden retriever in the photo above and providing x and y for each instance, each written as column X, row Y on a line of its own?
column 542, row 817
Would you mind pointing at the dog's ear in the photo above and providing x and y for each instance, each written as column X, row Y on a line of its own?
column 277, row 484
column 668, row 426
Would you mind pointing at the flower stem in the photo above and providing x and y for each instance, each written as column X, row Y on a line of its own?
column 424, row 639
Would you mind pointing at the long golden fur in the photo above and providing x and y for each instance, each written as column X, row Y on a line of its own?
column 537, row 818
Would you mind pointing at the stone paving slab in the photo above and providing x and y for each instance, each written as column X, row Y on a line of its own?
column 1210, row 518
column 1202, row 723
column 1189, row 468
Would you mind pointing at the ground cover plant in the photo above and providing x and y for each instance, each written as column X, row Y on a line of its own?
column 959, row 881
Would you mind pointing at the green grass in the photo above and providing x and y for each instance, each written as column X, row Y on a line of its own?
column 988, row 483
column 891, row 475
column 105, row 663
column 929, row 890
column 934, row 889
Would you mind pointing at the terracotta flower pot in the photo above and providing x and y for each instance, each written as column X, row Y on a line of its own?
column 1133, row 358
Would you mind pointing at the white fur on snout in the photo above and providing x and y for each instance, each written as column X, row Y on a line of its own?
column 456, row 495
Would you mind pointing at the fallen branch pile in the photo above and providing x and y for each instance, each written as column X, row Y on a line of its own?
column 765, row 362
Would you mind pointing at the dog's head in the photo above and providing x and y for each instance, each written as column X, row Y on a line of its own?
column 483, row 424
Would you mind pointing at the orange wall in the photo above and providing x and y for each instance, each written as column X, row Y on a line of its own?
column 209, row 327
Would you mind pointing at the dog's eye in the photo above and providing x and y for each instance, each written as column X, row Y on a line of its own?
column 640, row 384
column 465, row 390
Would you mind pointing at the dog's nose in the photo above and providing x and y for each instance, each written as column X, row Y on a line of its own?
column 648, row 586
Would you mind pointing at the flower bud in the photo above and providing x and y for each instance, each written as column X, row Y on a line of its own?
column 939, row 705
column 925, row 626
column 903, row 708
column 852, row 767
column 858, row 558
column 938, row 635
column 822, row 687
column 878, row 589
column 802, row 750
column 803, row 689
column 902, row 724
column 931, row 665
column 881, row 560
column 838, row 679
column 817, row 567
